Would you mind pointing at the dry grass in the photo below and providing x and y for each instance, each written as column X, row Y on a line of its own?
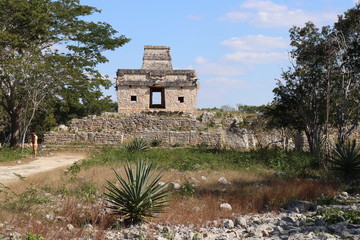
column 249, row 192
column 244, row 197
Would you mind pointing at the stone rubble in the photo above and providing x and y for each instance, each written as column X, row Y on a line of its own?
column 290, row 224
column 297, row 222
column 274, row 226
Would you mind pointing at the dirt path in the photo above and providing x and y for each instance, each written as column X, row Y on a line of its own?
column 40, row 164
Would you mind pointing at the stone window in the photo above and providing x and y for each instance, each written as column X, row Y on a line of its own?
column 157, row 97
column 181, row 99
column 133, row 99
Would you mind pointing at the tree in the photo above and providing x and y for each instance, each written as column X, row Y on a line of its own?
column 346, row 100
column 46, row 46
column 68, row 106
column 300, row 97
column 321, row 88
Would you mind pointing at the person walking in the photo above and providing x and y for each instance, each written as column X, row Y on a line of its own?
column 34, row 143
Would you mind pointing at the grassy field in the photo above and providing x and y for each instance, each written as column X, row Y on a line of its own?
column 13, row 154
column 75, row 195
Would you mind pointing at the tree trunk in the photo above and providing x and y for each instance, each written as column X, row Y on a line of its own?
column 15, row 129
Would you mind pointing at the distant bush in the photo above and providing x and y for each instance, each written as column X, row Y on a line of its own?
column 250, row 109
column 31, row 236
column 156, row 142
column 138, row 144
column 334, row 216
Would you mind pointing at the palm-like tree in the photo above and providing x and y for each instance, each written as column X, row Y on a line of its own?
column 139, row 196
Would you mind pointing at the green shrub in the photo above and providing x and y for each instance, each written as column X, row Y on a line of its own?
column 187, row 189
column 334, row 216
column 140, row 196
column 8, row 154
column 31, row 236
column 138, row 144
column 353, row 189
column 86, row 191
column 345, row 161
column 25, row 200
column 156, row 142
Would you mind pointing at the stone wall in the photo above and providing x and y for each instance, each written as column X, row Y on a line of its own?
column 131, row 124
column 142, row 102
column 171, row 130
column 182, row 138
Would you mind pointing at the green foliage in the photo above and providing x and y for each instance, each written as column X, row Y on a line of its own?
column 31, row 236
column 227, row 108
column 86, row 191
column 8, row 154
column 74, row 169
column 57, row 51
column 187, row 189
column 25, row 200
column 138, row 144
column 156, row 142
column 21, row 178
column 353, row 189
column 294, row 163
column 250, row 108
column 139, row 196
column 321, row 87
column 345, row 161
column 334, row 216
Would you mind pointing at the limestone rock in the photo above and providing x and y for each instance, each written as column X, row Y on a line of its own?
column 240, row 221
column 223, row 181
column 225, row 207
column 175, row 185
column 302, row 206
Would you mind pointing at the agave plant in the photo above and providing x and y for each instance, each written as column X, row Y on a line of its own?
column 138, row 144
column 140, row 196
column 345, row 160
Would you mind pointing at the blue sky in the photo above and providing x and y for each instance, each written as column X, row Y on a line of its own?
column 237, row 47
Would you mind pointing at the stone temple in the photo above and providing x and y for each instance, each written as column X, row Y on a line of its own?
column 156, row 86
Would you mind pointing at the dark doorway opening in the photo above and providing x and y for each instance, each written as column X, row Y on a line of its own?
column 157, row 97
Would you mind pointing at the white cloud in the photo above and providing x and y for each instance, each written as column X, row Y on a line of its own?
column 256, row 49
column 219, row 69
column 231, row 82
column 265, row 13
column 256, row 57
column 195, row 17
column 255, row 43
column 236, row 16
column 201, row 60
column 264, row 6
